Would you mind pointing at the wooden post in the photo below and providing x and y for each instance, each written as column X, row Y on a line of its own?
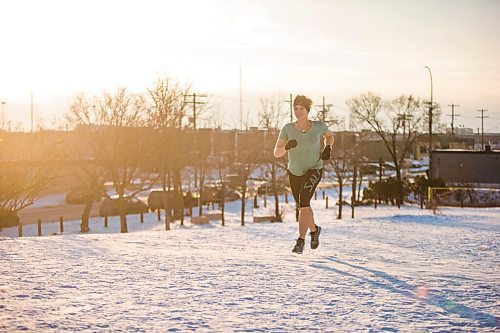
column 315, row 195
column 255, row 205
column 352, row 207
column 223, row 213
column 142, row 217
column 265, row 199
column 326, row 202
column 286, row 197
column 19, row 229
column 354, row 184
column 39, row 227
column 61, row 224
column 200, row 206
column 159, row 214
column 323, row 194
column 379, row 199
column 106, row 221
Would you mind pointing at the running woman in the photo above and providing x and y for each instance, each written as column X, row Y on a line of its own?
column 302, row 140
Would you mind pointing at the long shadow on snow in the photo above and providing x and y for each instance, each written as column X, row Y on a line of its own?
column 438, row 221
column 406, row 289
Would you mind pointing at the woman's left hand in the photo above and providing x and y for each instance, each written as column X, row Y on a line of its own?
column 325, row 155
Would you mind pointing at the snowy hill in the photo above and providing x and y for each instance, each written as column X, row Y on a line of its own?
column 387, row 270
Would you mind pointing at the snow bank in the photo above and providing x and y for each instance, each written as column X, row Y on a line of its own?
column 386, row 270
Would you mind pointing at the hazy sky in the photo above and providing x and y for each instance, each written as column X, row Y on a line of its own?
column 332, row 48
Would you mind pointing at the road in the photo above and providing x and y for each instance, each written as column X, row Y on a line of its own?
column 31, row 215
column 52, row 213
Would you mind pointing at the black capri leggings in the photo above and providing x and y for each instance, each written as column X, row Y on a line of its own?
column 303, row 187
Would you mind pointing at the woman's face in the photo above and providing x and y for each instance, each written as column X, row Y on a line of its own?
column 300, row 111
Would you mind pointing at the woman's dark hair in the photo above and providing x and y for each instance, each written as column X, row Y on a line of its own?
column 304, row 101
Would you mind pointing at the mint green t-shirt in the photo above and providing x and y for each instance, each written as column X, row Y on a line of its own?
column 306, row 155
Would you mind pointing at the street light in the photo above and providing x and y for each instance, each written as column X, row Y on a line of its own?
column 431, row 106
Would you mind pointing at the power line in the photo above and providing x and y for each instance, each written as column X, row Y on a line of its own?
column 252, row 101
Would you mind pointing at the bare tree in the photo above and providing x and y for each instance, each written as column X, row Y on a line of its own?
column 271, row 118
column 342, row 153
column 327, row 116
column 272, row 114
column 167, row 104
column 86, row 169
column 26, row 171
column 117, row 127
column 215, row 117
column 343, row 167
column 200, row 151
column 250, row 154
column 166, row 111
column 221, row 161
column 398, row 123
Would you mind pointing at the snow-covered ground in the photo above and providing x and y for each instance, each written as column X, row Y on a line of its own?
column 386, row 270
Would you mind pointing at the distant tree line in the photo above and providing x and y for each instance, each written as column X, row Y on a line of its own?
column 137, row 141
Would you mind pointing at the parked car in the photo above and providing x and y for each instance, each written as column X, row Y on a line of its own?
column 79, row 196
column 109, row 206
column 211, row 194
column 215, row 194
column 155, row 199
column 234, row 180
column 231, row 195
column 370, row 168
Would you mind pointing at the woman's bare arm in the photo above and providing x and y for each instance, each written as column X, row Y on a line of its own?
column 279, row 148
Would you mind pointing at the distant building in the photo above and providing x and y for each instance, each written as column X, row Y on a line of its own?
column 467, row 167
column 459, row 131
column 463, row 139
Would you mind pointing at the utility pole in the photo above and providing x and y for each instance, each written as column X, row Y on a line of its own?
column 195, row 102
column 193, row 120
column 241, row 98
column 291, row 107
column 482, row 126
column 453, row 115
column 324, row 109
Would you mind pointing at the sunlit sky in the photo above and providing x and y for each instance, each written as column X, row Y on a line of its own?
column 331, row 48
